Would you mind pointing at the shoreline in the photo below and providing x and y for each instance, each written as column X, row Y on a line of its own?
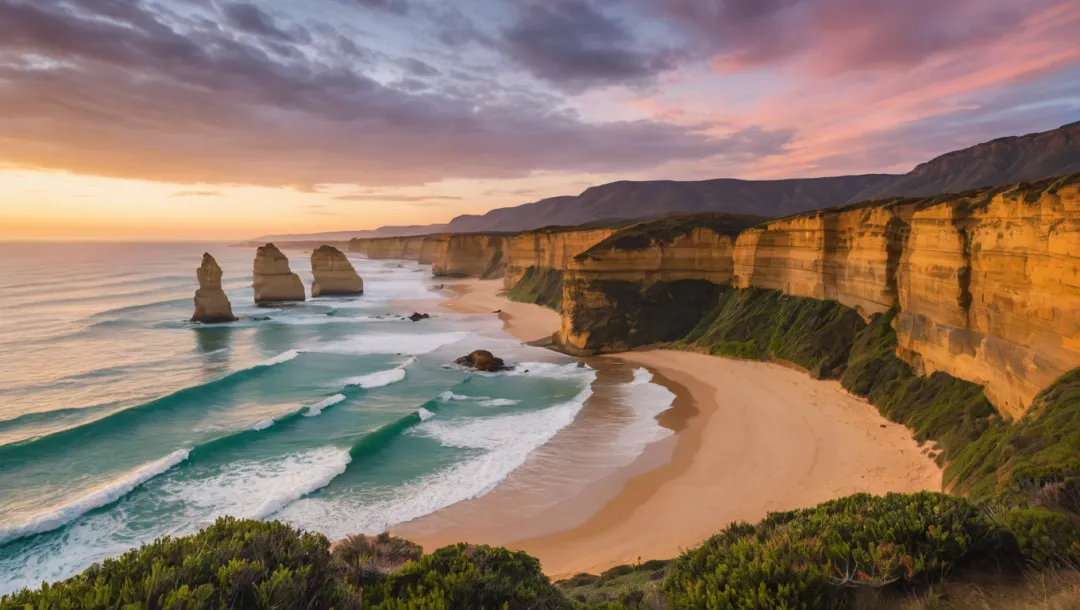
column 748, row 438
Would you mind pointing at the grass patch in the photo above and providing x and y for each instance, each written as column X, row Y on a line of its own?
column 539, row 285
column 759, row 324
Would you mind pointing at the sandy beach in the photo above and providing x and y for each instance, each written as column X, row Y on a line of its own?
column 750, row 438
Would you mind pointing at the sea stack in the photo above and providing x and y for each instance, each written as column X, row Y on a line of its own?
column 274, row 281
column 211, row 304
column 334, row 274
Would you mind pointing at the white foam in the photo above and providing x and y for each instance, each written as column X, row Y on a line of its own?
column 505, row 442
column 112, row 492
column 447, row 396
column 377, row 379
column 263, row 425
column 499, row 402
column 549, row 370
column 424, row 414
column 283, row 357
column 316, row 409
column 646, row 401
column 389, row 343
column 256, row 489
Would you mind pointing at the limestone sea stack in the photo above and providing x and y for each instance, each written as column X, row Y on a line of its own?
column 211, row 304
column 274, row 281
column 334, row 274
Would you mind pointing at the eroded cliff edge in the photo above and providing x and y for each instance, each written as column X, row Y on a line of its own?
column 986, row 282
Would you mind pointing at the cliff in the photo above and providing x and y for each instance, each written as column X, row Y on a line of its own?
column 548, row 249
column 470, row 255
column 333, row 273
column 211, row 303
column 408, row 248
column 649, row 282
column 273, row 280
column 987, row 281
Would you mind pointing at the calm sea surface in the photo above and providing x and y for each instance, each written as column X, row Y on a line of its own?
column 121, row 422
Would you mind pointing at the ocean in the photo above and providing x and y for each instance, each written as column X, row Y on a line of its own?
column 121, row 422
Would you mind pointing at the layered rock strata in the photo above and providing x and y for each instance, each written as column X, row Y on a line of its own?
column 333, row 273
column 470, row 255
column 274, row 281
column 211, row 303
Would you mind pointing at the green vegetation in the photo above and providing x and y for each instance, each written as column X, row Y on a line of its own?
column 761, row 324
column 667, row 229
column 627, row 586
column 540, row 285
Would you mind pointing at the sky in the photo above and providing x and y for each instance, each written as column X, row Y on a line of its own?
column 223, row 119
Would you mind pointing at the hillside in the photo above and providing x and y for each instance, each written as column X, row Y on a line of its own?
column 1003, row 161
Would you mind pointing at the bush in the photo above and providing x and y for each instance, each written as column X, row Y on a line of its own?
column 816, row 557
column 231, row 564
column 1044, row 538
column 463, row 576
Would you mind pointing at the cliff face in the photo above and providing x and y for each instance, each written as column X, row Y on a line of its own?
column 470, row 255
column 989, row 289
column 408, row 248
column 988, row 282
column 651, row 282
column 547, row 249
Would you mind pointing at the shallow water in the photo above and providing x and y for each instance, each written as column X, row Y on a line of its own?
column 121, row 422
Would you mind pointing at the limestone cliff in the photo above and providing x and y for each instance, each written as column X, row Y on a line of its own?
column 987, row 282
column 211, row 303
column 274, row 281
column 333, row 273
column 408, row 248
column 548, row 249
column 470, row 255
column 647, row 283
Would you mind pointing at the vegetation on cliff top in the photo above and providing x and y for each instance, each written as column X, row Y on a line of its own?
column 539, row 285
column 667, row 229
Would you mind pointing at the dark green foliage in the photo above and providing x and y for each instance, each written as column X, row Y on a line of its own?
column 1044, row 537
column 367, row 560
column 620, row 588
column 667, row 229
column 664, row 311
column 540, row 285
column 463, row 576
column 762, row 324
column 231, row 564
column 816, row 558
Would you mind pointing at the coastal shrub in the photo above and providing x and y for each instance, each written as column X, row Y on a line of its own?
column 464, row 576
column 754, row 323
column 230, row 564
column 539, row 285
column 366, row 560
column 1044, row 538
column 818, row 557
column 623, row 587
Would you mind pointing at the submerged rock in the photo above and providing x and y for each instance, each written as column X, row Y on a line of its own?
column 211, row 303
column 416, row 317
column 274, row 281
column 485, row 361
column 334, row 274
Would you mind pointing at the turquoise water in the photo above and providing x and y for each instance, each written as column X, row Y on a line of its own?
column 121, row 422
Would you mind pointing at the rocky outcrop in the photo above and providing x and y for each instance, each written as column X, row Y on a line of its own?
column 333, row 273
column 648, row 283
column 484, row 361
column 274, row 281
column 211, row 303
column 470, row 255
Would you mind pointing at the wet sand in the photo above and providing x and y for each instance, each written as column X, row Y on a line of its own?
column 749, row 438
column 524, row 321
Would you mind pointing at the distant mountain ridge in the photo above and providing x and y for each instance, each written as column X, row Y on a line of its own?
column 1001, row 161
